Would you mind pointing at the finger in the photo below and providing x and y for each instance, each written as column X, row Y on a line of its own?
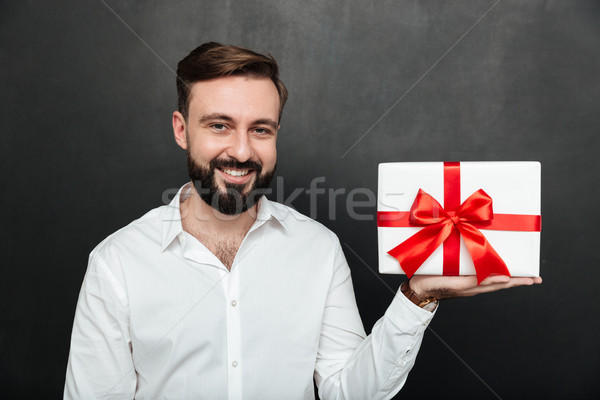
column 521, row 281
column 492, row 287
column 493, row 279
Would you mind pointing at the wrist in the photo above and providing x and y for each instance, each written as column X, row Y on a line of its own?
column 417, row 289
column 428, row 303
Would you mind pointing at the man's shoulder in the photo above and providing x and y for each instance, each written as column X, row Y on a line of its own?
column 299, row 224
column 143, row 232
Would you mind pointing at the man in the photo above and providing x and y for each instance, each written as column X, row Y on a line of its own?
column 224, row 294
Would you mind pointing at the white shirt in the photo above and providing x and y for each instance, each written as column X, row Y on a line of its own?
column 160, row 317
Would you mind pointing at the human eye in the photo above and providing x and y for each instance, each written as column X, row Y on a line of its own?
column 261, row 131
column 218, row 127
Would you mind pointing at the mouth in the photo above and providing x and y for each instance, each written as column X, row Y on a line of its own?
column 236, row 172
column 237, row 176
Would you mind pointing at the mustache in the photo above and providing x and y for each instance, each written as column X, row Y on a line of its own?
column 232, row 163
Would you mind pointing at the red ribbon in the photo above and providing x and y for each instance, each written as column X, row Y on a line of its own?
column 446, row 225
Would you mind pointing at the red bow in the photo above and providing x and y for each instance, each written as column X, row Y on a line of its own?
column 439, row 224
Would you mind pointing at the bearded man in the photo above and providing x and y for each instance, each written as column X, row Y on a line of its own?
column 223, row 294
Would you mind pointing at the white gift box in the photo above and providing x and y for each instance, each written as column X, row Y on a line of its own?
column 515, row 189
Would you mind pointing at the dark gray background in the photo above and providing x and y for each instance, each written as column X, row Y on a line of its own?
column 86, row 147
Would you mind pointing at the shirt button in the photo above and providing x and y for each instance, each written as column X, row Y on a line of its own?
column 233, row 303
column 234, row 364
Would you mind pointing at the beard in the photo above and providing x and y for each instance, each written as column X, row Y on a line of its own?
column 235, row 200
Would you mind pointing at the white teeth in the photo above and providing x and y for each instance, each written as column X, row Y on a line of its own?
column 235, row 173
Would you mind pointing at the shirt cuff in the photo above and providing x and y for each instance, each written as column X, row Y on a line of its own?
column 404, row 313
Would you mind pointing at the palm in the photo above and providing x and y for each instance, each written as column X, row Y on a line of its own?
column 443, row 287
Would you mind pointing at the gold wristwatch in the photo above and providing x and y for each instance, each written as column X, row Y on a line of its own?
column 429, row 304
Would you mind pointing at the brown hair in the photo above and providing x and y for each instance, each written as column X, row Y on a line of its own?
column 213, row 60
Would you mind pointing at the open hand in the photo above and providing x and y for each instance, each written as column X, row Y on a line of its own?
column 445, row 287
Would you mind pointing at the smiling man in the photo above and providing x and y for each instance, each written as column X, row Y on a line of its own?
column 233, row 121
column 224, row 294
column 229, row 133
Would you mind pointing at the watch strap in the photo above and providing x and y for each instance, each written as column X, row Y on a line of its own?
column 429, row 303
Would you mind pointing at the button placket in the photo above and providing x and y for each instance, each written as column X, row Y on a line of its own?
column 233, row 334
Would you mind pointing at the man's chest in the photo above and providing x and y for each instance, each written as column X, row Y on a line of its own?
column 202, row 311
column 190, row 315
column 224, row 247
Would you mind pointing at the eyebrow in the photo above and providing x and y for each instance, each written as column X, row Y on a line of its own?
column 269, row 122
column 225, row 117
column 211, row 117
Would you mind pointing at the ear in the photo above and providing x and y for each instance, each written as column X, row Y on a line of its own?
column 179, row 130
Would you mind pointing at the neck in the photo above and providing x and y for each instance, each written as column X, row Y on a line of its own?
column 197, row 216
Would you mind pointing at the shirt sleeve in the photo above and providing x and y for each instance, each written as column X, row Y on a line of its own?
column 100, row 362
column 350, row 366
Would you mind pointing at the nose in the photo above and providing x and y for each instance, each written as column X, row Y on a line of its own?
column 239, row 147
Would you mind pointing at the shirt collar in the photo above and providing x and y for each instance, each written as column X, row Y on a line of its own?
column 268, row 210
column 171, row 216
